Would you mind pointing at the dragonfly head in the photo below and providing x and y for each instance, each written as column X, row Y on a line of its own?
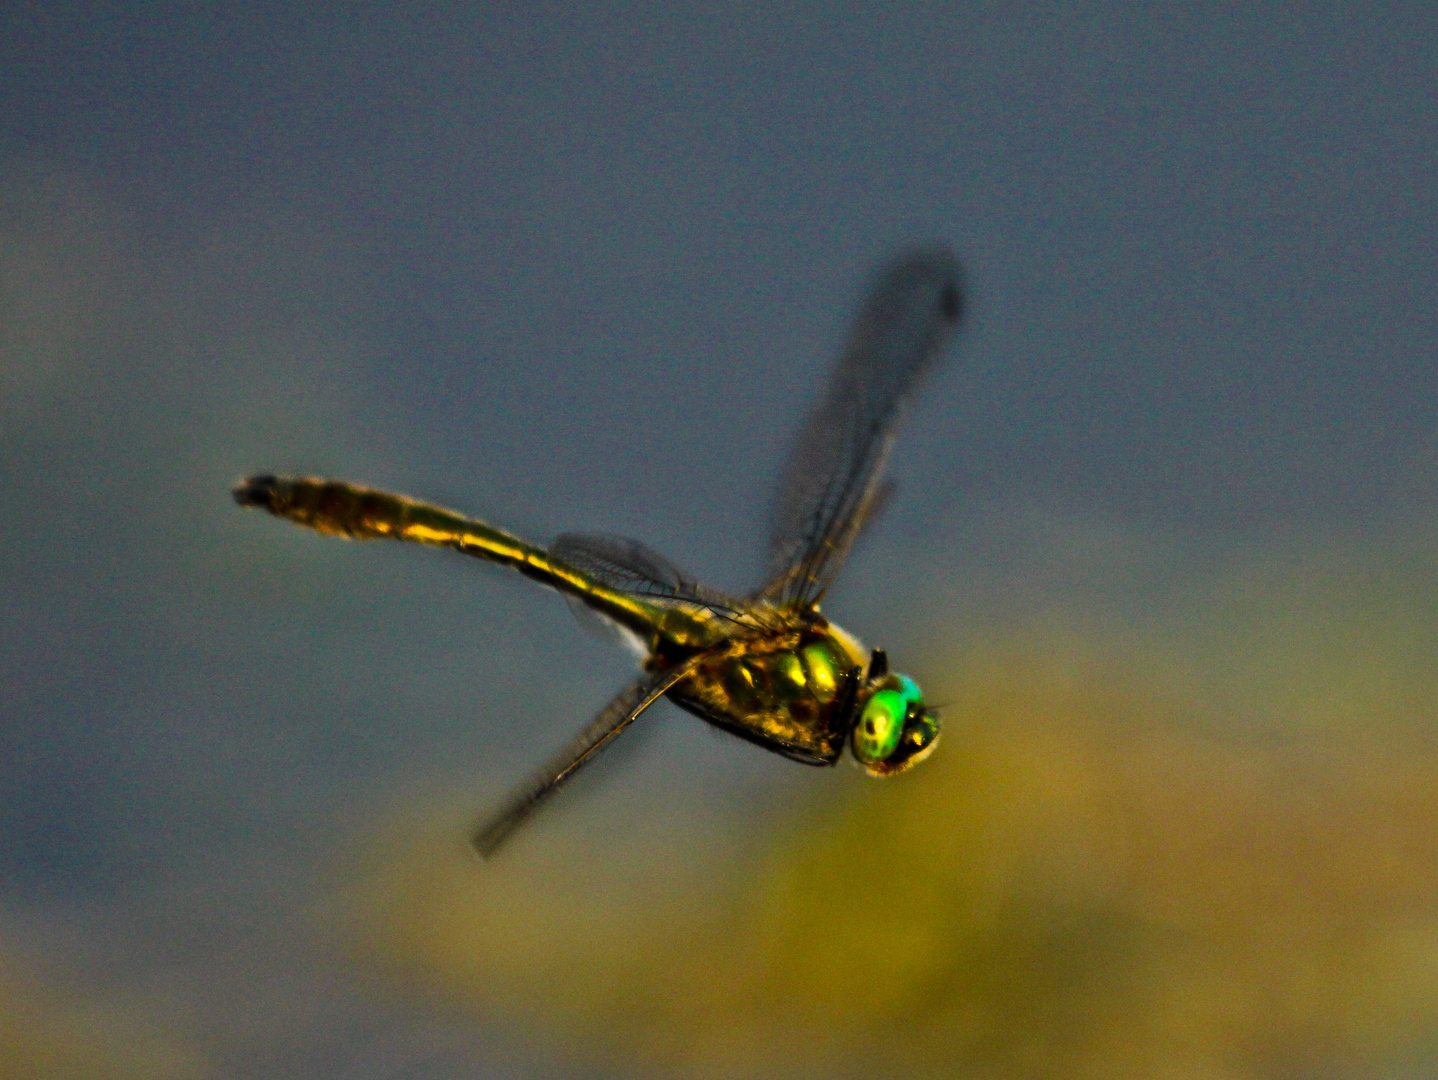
column 893, row 729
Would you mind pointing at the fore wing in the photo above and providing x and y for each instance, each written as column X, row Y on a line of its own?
column 612, row 719
column 833, row 481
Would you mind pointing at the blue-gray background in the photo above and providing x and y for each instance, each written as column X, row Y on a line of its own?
column 581, row 267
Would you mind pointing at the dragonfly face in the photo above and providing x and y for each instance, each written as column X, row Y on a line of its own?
column 893, row 730
column 768, row 667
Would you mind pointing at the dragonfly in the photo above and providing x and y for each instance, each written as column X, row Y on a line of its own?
column 768, row 667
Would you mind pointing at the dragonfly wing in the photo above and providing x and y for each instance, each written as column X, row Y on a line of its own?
column 832, row 483
column 601, row 731
column 627, row 566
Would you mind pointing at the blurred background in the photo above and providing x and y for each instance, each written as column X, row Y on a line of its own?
column 1165, row 545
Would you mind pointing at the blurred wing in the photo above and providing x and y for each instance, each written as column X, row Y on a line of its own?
column 602, row 730
column 628, row 566
column 832, row 484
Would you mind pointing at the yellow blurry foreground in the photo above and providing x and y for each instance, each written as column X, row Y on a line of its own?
column 1206, row 846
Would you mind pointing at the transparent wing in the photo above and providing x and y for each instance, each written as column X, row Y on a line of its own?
column 832, row 483
column 602, row 730
column 628, row 566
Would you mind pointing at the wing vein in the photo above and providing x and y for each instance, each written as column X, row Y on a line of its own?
column 833, row 481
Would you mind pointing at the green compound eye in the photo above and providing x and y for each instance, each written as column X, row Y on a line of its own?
column 880, row 725
column 910, row 689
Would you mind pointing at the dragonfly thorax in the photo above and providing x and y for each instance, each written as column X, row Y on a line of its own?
column 793, row 693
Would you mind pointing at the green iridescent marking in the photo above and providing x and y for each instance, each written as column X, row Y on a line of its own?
column 880, row 726
column 823, row 679
column 909, row 689
column 790, row 678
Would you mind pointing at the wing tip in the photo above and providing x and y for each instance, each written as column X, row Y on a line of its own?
column 936, row 262
column 488, row 838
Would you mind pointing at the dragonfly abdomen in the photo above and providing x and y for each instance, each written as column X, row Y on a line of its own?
column 337, row 508
column 342, row 509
